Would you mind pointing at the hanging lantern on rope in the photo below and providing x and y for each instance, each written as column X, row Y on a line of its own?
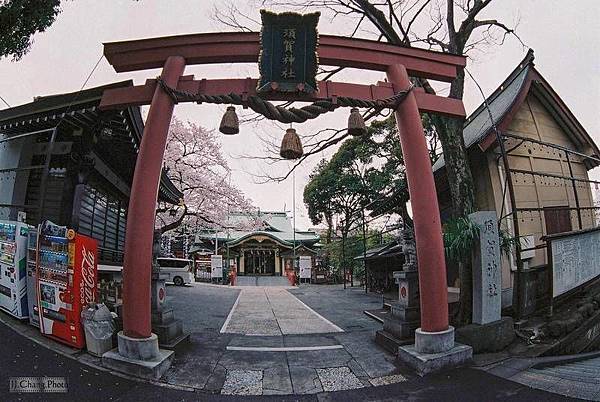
column 230, row 124
column 356, row 123
column 291, row 146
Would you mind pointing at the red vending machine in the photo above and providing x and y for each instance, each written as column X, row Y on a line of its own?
column 67, row 274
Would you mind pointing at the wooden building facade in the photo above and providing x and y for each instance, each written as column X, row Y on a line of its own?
column 530, row 159
column 63, row 159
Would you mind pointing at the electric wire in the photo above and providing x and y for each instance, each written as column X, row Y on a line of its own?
column 5, row 102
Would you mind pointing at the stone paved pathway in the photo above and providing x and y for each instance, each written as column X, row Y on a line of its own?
column 578, row 380
column 25, row 357
column 223, row 366
column 271, row 342
column 274, row 311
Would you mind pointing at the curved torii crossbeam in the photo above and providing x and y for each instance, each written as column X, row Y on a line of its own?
column 173, row 53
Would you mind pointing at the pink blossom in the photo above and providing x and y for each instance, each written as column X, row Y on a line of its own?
column 196, row 165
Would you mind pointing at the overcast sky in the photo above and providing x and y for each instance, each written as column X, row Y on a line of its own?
column 564, row 34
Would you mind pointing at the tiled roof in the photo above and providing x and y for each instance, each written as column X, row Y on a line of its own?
column 276, row 225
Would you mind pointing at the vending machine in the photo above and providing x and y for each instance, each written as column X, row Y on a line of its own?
column 34, row 318
column 13, row 264
column 67, row 277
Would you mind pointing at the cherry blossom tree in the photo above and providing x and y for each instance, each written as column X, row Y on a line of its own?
column 196, row 165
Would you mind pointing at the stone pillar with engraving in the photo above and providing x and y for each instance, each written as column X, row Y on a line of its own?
column 487, row 286
column 489, row 332
column 164, row 324
column 404, row 316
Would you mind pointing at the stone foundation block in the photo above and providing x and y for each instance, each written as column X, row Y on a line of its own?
column 400, row 329
column 425, row 363
column 151, row 369
column 138, row 356
column 491, row 337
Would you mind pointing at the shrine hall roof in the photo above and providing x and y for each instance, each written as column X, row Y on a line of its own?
column 390, row 249
column 499, row 108
column 479, row 123
column 80, row 110
column 275, row 225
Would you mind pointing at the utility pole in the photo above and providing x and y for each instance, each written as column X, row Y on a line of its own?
column 228, row 226
column 216, row 241
column 294, row 216
column 344, row 253
column 365, row 252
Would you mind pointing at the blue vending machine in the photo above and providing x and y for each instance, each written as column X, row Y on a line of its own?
column 14, row 237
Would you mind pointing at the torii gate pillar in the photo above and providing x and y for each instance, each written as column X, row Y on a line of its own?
column 434, row 346
column 138, row 350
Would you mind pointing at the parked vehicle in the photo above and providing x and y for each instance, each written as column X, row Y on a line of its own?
column 179, row 270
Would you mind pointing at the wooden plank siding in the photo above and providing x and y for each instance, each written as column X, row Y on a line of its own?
column 533, row 120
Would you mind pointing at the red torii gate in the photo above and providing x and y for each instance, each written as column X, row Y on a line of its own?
column 173, row 53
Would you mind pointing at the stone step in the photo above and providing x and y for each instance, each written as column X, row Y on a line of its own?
column 389, row 342
column 272, row 281
column 400, row 329
column 572, row 372
column 569, row 368
column 373, row 316
column 245, row 281
column 573, row 375
column 262, row 281
column 309, row 340
column 592, row 368
column 177, row 343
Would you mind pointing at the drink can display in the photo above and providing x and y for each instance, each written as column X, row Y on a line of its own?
column 67, row 276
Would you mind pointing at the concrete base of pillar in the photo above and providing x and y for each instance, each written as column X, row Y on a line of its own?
column 434, row 351
column 425, row 363
column 138, row 356
column 434, row 342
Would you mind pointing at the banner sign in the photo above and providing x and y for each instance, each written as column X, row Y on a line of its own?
column 288, row 58
column 305, row 267
column 575, row 259
column 216, row 266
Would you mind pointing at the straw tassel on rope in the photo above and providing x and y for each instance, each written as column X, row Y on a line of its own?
column 230, row 124
column 356, row 123
column 291, row 146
